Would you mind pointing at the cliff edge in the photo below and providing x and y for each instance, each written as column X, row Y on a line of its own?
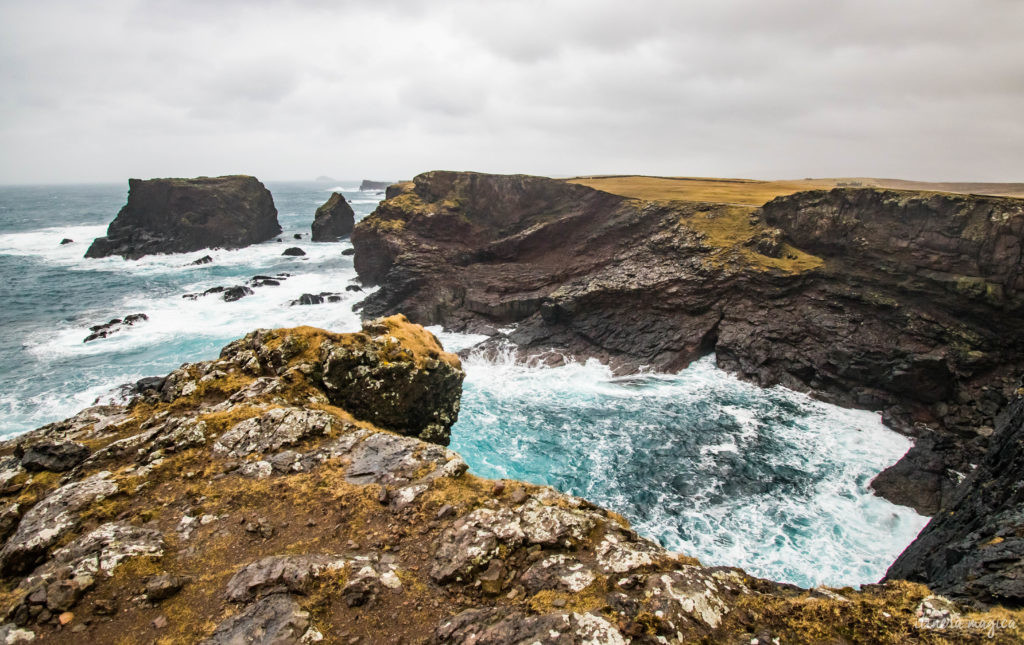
column 258, row 497
column 900, row 301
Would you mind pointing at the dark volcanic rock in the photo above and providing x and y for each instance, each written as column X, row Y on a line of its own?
column 374, row 185
column 333, row 220
column 113, row 326
column 294, row 251
column 973, row 549
column 66, row 240
column 316, row 298
column 56, row 456
column 182, row 215
column 905, row 302
column 206, row 259
column 232, row 294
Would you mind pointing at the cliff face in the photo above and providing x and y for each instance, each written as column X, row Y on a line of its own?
column 899, row 301
column 183, row 215
column 334, row 219
column 973, row 549
column 256, row 498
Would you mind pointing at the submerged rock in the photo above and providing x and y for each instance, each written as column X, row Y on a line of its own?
column 113, row 326
column 333, row 220
column 183, row 215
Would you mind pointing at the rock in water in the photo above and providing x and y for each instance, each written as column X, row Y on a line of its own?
column 333, row 220
column 67, row 240
column 374, row 185
column 183, row 215
column 294, row 251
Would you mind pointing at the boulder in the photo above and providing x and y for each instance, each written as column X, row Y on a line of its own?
column 333, row 220
column 423, row 388
column 274, row 620
column 232, row 294
column 66, row 240
column 183, row 215
column 293, row 251
column 55, row 456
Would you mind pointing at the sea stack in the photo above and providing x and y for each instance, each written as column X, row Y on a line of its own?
column 183, row 215
column 369, row 184
column 333, row 220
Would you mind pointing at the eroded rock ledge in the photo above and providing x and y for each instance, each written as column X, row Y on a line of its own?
column 256, row 498
column 900, row 301
column 183, row 215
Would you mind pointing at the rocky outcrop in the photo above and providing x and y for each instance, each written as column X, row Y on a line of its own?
column 904, row 302
column 257, row 498
column 368, row 184
column 973, row 549
column 113, row 326
column 183, row 215
column 333, row 220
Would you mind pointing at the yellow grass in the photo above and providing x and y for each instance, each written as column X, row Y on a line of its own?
column 752, row 192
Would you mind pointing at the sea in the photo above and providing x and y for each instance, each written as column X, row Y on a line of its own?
column 769, row 480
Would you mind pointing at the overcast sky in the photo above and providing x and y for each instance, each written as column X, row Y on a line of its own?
column 103, row 91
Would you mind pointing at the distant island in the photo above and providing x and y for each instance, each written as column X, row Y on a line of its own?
column 374, row 185
column 323, row 179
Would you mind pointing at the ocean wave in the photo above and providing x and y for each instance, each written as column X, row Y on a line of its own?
column 717, row 468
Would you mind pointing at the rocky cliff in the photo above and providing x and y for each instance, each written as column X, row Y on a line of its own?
column 369, row 184
column 334, row 219
column 259, row 498
column 973, row 549
column 183, row 215
column 905, row 302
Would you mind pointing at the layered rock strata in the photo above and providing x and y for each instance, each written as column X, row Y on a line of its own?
column 904, row 302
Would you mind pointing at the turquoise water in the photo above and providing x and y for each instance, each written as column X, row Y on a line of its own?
column 768, row 480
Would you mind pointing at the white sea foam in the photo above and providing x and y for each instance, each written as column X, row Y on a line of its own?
column 45, row 242
column 769, row 480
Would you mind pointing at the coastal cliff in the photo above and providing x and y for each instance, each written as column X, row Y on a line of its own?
column 900, row 301
column 284, row 493
column 183, row 215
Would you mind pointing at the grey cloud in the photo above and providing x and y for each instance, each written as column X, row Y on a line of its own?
column 294, row 89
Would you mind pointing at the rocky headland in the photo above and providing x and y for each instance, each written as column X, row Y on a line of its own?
column 184, row 215
column 906, row 302
column 334, row 219
column 296, row 490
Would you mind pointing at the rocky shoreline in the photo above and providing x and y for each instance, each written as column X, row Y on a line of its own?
column 900, row 301
column 297, row 490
